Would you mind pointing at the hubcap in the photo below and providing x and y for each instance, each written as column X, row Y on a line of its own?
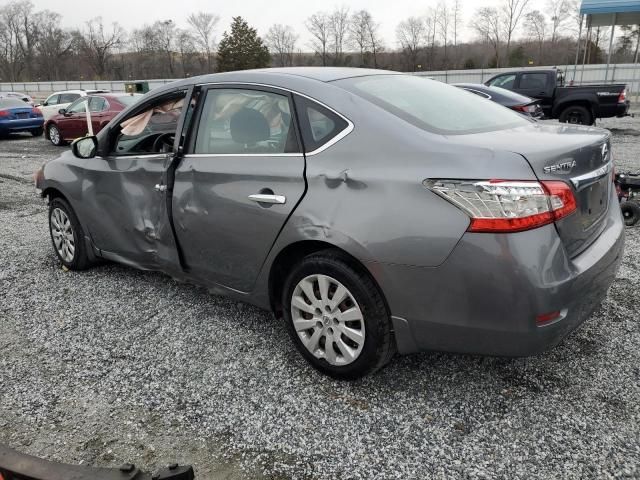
column 327, row 319
column 62, row 234
column 54, row 134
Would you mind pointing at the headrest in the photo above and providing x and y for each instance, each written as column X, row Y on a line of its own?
column 248, row 126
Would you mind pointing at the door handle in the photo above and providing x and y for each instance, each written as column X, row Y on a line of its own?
column 266, row 198
column 160, row 188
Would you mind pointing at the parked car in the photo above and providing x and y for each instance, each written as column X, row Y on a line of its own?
column 529, row 107
column 573, row 104
column 372, row 210
column 16, row 116
column 20, row 96
column 71, row 122
column 58, row 100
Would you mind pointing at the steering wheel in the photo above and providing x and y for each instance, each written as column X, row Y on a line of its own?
column 165, row 139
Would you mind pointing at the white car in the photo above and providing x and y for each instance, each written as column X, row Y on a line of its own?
column 21, row 96
column 59, row 100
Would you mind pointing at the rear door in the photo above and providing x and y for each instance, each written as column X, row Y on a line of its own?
column 235, row 188
column 539, row 85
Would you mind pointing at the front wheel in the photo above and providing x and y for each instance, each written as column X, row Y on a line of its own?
column 67, row 236
column 55, row 136
column 576, row 114
column 630, row 212
column 336, row 316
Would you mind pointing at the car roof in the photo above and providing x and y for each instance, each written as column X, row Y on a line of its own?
column 80, row 92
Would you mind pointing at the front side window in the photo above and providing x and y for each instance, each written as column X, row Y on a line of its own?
column 52, row 100
column 151, row 131
column 504, row 81
column 237, row 121
column 432, row 105
column 78, row 106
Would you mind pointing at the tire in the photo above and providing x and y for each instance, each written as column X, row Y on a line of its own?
column 348, row 359
column 576, row 114
column 53, row 132
column 67, row 236
column 630, row 212
column 37, row 132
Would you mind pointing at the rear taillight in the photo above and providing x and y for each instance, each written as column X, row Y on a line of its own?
column 36, row 111
column 4, row 113
column 525, row 108
column 507, row 205
column 623, row 96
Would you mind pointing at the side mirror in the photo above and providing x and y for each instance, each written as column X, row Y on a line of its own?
column 44, row 104
column 62, row 111
column 85, row 147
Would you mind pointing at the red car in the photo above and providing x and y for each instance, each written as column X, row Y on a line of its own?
column 71, row 122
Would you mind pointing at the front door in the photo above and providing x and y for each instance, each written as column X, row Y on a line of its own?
column 235, row 189
column 74, row 122
column 127, row 186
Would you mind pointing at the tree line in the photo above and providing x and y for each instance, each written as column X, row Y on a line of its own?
column 34, row 46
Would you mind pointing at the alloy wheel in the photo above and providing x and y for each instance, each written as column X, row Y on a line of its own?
column 54, row 135
column 62, row 234
column 327, row 319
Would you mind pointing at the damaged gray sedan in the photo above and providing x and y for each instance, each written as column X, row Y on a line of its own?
column 375, row 212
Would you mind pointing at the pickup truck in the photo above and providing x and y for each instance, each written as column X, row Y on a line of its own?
column 570, row 104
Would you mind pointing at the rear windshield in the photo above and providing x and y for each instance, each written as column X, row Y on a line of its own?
column 12, row 103
column 432, row 105
column 129, row 99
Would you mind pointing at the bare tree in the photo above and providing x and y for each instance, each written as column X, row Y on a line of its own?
column 98, row 43
column 204, row 24
column 359, row 34
column 512, row 13
column 338, row 26
column 431, row 30
column 443, row 20
column 486, row 22
column 11, row 55
column 411, row 35
column 536, row 26
column 456, row 12
column 375, row 40
column 318, row 26
column 560, row 12
column 55, row 44
column 165, row 37
column 281, row 40
column 186, row 48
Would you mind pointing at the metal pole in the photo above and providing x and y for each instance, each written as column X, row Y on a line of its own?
column 575, row 65
column 635, row 67
column 586, row 47
column 613, row 29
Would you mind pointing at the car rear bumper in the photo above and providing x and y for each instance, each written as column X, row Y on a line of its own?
column 486, row 296
column 21, row 125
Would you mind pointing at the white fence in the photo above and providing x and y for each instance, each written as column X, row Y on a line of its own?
column 628, row 73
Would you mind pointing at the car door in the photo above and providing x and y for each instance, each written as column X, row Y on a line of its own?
column 235, row 188
column 536, row 85
column 73, row 123
column 125, row 187
column 506, row 80
column 50, row 106
column 97, row 107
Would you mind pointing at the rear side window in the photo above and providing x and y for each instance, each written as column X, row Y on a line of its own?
column 68, row 97
column 504, row 81
column 533, row 80
column 432, row 105
column 318, row 124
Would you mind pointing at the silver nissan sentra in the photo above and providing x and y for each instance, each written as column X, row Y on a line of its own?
column 374, row 211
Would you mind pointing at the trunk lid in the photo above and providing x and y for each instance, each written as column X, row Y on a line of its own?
column 578, row 156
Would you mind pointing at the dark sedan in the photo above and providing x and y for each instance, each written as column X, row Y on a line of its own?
column 521, row 104
column 71, row 122
column 16, row 116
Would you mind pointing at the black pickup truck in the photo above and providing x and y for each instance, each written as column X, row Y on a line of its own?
column 570, row 104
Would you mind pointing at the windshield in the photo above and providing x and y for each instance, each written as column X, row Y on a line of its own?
column 432, row 105
column 12, row 103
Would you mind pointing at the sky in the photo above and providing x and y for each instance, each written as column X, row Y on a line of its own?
column 260, row 14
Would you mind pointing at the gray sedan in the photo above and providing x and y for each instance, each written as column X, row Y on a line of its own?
column 374, row 212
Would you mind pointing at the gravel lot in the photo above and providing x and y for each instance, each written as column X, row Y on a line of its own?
column 114, row 365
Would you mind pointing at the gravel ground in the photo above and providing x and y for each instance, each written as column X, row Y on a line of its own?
column 115, row 365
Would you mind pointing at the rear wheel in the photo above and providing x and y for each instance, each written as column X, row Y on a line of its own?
column 576, row 114
column 630, row 212
column 67, row 236
column 37, row 132
column 55, row 136
column 336, row 316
